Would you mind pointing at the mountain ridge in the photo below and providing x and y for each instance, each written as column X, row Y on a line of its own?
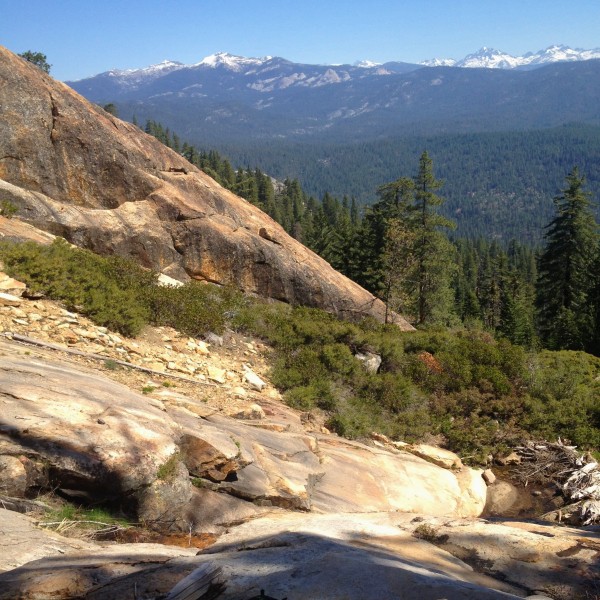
column 485, row 57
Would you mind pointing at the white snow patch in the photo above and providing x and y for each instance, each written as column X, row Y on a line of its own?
column 231, row 62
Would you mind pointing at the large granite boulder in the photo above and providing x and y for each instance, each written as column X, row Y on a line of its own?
column 304, row 557
column 71, row 428
column 76, row 171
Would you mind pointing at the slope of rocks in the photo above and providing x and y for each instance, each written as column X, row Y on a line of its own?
column 73, row 170
column 297, row 511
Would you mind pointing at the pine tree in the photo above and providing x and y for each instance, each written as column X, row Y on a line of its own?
column 38, row 59
column 566, row 275
column 434, row 254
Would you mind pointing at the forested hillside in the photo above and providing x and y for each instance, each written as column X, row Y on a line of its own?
column 404, row 250
column 497, row 185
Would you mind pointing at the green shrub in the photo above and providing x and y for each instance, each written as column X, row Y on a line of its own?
column 7, row 209
column 481, row 394
column 96, row 286
column 168, row 469
column 316, row 394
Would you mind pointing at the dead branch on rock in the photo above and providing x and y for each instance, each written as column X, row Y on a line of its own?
column 35, row 342
column 576, row 475
column 201, row 583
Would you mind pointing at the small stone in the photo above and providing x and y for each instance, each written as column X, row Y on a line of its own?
column 216, row 374
column 251, row 412
column 512, row 459
column 253, row 380
column 488, row 476
column 202, row 348
column 9, row 299
column 213, row 338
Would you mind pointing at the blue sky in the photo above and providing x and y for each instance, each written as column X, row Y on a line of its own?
column 86, row 37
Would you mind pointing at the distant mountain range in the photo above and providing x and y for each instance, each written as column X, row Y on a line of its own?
column 225, row 98
column 488, row 58
column 349, row 128
column 485, row 58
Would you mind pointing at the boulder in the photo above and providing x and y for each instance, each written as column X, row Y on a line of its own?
column 437, row 456
column 164, row 504
column 253, row 380
column 89, row 432
column 370, row 361
column 9, row 299
column 8, row 285
column 502, row 496
column 76, row 171
column 13, row 477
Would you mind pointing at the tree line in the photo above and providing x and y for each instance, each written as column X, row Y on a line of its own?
column 402, row 249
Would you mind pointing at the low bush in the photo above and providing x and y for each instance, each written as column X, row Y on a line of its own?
column 480, row 394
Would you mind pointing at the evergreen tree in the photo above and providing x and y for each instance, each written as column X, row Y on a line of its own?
column 38, row 59
column 434, row 254
column 566, row 275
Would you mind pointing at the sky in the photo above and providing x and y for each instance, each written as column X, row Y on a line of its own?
column 82, row 38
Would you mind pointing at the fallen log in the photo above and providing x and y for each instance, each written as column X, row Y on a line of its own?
column 199, row 584
column 35, row 342
column 576, row 474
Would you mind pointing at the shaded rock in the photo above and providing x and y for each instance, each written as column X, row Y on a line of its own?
column 343, row 557
column 287, row 555
column 511, row 459
column 163, row 505
column 204, row 460
column 99, row 573
column 21, row 541
column 502, row 496
column 532, row 555
column 213, row 338
column 13, row 477
column 214, row 512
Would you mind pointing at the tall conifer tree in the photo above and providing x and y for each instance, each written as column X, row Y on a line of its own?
column 566, row 270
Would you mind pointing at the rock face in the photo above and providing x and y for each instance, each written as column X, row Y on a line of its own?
column 80, row 432
column 75, row 171
column 300, row 514
column 337, row 557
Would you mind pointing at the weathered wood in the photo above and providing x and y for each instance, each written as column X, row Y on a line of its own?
column 200, row 583
column 27, row 340
column 22, row 505
column 576, row 475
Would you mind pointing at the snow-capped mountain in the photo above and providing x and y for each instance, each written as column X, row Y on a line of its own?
column 231, row 97
column 231, row 62
column 148, row 73
column 489, row 58
column 269, row 73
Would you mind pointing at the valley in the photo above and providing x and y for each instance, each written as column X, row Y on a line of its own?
column 189, row 392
